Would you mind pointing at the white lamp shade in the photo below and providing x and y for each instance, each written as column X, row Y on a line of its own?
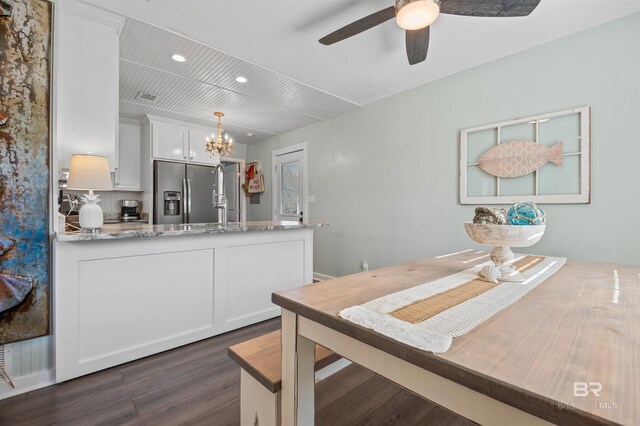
column 89, row 172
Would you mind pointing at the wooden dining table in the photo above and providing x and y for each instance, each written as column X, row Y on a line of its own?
column 568, row 352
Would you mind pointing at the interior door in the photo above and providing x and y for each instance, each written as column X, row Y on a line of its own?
column 289, row 186
column 200, row 194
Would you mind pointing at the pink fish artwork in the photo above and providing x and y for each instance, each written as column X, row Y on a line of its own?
column 519, row 158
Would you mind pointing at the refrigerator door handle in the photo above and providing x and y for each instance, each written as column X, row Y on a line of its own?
column 189, row 200
column 184, row 201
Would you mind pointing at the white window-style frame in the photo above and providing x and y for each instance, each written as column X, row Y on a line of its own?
column 584, row 197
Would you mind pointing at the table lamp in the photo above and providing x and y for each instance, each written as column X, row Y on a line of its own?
column 90, row 173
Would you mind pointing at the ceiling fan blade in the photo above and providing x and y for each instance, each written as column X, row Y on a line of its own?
column 417, row 45
column 489, row 8
column 359, row 26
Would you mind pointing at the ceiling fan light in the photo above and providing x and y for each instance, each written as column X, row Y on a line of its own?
column 416, row 14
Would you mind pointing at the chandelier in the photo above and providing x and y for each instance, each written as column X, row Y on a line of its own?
column 222, row 144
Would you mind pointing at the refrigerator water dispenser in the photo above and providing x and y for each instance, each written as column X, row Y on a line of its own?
column 171, row 203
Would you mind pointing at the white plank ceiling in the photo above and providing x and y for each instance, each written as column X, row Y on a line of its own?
column 293, row 79
column 268, row 104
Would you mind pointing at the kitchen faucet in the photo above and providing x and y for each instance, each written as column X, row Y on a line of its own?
column 219, row 199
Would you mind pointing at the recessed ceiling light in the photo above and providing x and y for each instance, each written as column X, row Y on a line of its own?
column 241, row 79
column 178, row 58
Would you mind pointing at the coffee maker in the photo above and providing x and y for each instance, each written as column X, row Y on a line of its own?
column 129, row 210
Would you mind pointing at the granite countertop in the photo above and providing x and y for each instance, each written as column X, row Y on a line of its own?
column 138, row 230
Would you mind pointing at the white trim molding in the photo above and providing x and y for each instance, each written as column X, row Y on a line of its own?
column 302, row 147
column 27, row 383
column 93, row 13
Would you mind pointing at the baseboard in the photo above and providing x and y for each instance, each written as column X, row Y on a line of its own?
column 27, row 383
column 321, row 277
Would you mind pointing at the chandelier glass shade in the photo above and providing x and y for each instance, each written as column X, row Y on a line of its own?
column 222, row 144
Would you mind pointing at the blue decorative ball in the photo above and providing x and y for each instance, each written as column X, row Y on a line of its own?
column 526, row 214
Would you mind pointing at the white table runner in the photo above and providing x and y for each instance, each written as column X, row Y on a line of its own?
column 436, row 333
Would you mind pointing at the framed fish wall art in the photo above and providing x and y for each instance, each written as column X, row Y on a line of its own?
column 544, row 159
column 25, row 40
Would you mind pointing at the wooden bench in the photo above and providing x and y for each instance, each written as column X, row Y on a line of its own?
column 260, row 360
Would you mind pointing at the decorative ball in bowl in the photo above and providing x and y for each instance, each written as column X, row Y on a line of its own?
column 503, row 237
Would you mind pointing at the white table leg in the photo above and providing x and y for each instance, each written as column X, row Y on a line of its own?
column 298, row 377
column 306, row 380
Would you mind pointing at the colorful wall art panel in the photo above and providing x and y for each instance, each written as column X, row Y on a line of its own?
column 25, row 51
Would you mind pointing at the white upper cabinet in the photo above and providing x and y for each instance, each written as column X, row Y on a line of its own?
column 86, row 63
column 169, row 142
column 197, row 141
column 129, row 172
column 178, row 141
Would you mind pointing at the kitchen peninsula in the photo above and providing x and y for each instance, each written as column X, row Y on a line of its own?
column 130, row 291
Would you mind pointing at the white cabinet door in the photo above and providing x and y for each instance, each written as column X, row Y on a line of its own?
column 254, row 272
column 197, row 153
column 86, row 61
column 169, row 141
column 148, row 318
column 129, row 171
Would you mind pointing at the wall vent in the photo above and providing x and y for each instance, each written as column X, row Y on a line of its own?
column 146, row 97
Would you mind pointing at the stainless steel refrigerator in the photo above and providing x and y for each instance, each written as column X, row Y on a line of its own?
column 183, row 193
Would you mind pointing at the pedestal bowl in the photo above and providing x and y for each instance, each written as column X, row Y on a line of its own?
column 503, row 237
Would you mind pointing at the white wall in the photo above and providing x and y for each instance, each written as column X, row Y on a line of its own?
column 239, row 151
column 386, row 176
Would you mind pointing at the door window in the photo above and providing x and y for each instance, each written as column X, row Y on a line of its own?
column 290, row 189
column 289, row 184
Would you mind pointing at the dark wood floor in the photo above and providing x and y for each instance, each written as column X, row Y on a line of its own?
column 198, row 384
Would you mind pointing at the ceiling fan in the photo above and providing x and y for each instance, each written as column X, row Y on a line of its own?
column 415, row 16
